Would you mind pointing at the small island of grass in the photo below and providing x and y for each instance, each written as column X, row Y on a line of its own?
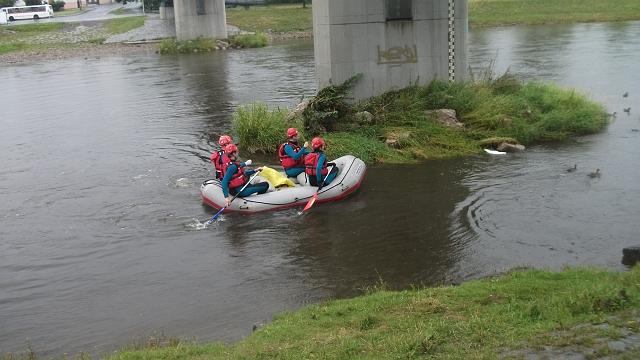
column 402, row 126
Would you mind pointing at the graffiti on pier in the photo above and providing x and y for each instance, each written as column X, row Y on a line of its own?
column 398, row 55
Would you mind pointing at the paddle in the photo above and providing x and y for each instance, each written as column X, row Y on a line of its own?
column 214, row 217
column 315, row 196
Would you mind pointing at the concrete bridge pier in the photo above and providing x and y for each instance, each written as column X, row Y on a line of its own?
column 200, row 18
column 392, row 43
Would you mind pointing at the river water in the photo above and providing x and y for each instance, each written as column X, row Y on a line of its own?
column 99, row 185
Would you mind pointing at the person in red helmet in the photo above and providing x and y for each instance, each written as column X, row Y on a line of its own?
column 218, row 157
column 316, row 165
column 234, row 177
column 292, row 155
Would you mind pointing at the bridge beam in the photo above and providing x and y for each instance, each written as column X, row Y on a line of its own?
column 392, row 43
column 200, row 18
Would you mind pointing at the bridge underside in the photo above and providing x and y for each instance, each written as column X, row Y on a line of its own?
column 392, row 43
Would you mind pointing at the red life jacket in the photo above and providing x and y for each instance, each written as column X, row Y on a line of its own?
column 218, row 159
column 238, row 179
column 286, row 160
column 311, row 161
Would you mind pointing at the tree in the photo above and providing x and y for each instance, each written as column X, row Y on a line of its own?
column 33, row 2
column 7, row 3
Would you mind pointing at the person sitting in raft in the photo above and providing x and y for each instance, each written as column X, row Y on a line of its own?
column 218, row 157
column 316, row 165
column 292, row 155
column 234, row 178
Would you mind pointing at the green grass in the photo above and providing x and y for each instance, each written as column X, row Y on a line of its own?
column 11, row 47
column 276, row 18
column 249, row 40
column 122, row 25
column 34, row 29
column 489, row 108
column 16, row 37
column 479, row 319
column 505, row 12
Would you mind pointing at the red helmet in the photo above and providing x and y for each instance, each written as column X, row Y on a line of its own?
column 291, row 132
column 230, row 149
column 317, row 142
column 225, row 140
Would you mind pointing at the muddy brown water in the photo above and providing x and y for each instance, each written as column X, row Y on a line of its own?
column 102, row 160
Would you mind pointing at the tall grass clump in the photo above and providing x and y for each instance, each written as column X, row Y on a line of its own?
column 256, row 40
column 260, row 129
column 172, row 46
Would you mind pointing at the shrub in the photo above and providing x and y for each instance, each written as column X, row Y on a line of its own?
column 260, row 129
column 172, row 46
column 57, row 5
column 329, row 107
column 250, row 40
column 151, row 5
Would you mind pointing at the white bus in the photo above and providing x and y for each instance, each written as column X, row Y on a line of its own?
column 27, row 12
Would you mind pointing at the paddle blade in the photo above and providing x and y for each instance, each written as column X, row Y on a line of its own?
column 214, row 217
column 311, row 202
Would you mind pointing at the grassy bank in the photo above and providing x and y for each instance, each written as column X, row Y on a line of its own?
column 293, row 18
column 275, row 18
column 400, row 127
column 44, row 36
column 512, row 315
column 507, row 12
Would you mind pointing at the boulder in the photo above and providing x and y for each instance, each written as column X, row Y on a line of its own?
column 397, row 139
column 631, row 255
column 364, row 118
column 446, row 117
column 299, row 109
column 508, row 147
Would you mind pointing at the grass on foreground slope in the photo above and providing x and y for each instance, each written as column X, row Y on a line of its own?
column 506, row 12
column 479, row 319
column 277, row 18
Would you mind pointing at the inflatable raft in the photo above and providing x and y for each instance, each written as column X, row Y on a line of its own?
column 351, row 171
